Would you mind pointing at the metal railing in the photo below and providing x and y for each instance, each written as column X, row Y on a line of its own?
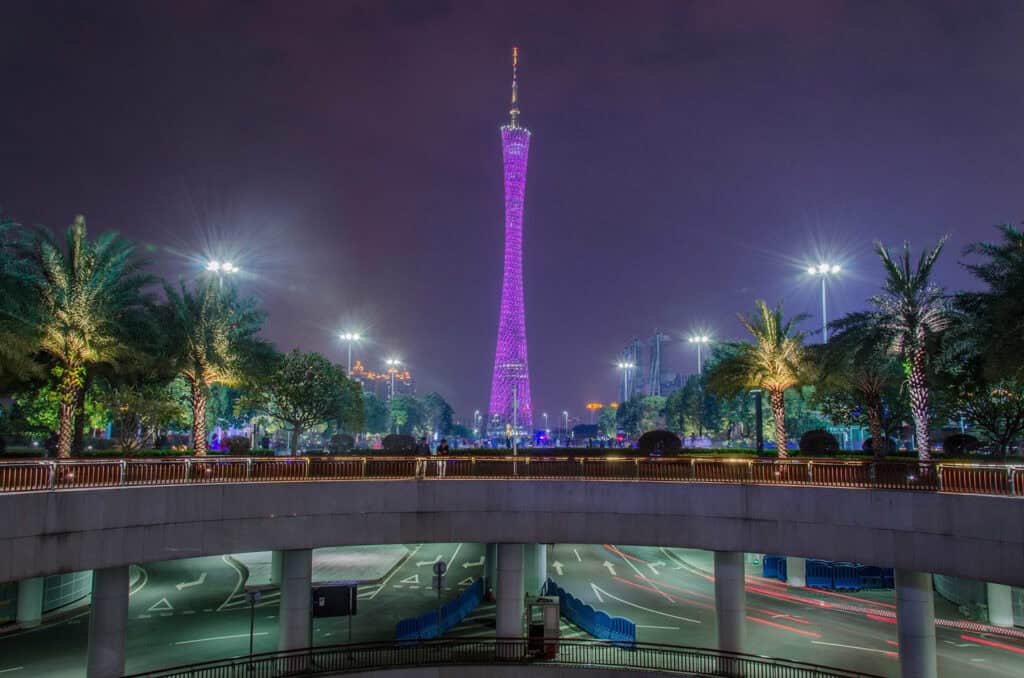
column 338, row 659
column 64, row 474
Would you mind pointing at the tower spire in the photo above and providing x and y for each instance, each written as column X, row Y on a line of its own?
column 514, row 111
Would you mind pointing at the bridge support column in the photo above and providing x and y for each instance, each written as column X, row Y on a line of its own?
column 730, row 601
column 796, row 571
column 30, row 602
column 541, row 566
column 275, row 567
column 915, row 618
column 296, row 590
column 1000, row 604
column 491, row 567
column 510, row 598
column 108, row 623
column 535, row 566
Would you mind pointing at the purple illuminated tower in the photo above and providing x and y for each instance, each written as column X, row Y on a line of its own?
column 510, row 386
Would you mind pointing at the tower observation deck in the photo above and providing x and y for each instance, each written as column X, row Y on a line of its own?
column 510, row 386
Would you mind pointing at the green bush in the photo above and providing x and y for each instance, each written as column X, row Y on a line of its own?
column 662, row 442
column 818, row 443
column 237, row 445
column 399, row 443
column 341, row 443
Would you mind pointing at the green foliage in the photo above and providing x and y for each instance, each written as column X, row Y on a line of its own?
column 661, row 442
column 640, row 414
column 606, row 423
column 438, row 414
column 139, row 411
column 691, row 410
column 406, row 414
column 376, row 416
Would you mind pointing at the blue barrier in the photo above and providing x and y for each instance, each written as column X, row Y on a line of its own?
column 824, row 574
column 619, row 630
column 426, row 626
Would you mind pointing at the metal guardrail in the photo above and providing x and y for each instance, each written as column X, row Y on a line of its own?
column 337, row 659
column 64, row 474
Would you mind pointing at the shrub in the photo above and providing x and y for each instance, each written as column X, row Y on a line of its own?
column 340, row 443
column 890, row 446
column 819, row 443
column 399, row 442
column 960, row 443
column 237, row 444
column 664, row 442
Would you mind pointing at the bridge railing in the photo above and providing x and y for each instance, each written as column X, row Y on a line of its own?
column 338, row 659
column 62, row 474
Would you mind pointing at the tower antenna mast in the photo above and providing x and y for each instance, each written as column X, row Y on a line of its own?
column 514, row 111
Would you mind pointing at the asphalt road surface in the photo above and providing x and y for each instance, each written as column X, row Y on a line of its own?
column 195, row 609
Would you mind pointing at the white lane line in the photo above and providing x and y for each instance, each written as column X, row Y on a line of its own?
column 640, row 574
column 661, row 628
column 142, row 584
column 578, row 559
column 241, row 581
column 395, row 571
column 451, row 561
column 204, row 640
column 16, row 668
column 853, row 647
column 645, row 609
column 597, row 592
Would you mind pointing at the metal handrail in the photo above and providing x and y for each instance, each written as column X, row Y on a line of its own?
column 1004, row 480
column 338, row 659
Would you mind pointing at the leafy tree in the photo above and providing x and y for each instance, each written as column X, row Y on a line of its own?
column 912, row 313
column 606, row 421
column 406, row 414
column 140, row 411
column 628, row 415
column 691, row 410
column 211, row 339
column 83, row 292
column 304, row 391
column 640, row 414
column 375, row 414
column 774, row 362
column 19, row 326
column 438, row 414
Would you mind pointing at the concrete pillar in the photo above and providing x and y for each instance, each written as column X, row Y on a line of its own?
column 30, row 602
column 296, row 590
column 491, row 566
column 1000, row 604
column 915, row 618
column 108, row 623
column 541, row 565
column 535, row 567
column 796, row 571
column 275, row 567
column 510, row 591
column 730, row 601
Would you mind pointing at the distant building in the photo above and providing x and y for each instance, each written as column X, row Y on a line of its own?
column 379, row 383
column 648, row 375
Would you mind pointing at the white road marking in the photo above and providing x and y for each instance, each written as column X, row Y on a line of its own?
column 421, row 563
column 641, row 607
column 468, row 581
column 654, row 567
column 640, row 574
column 597, row 592
column 16, row 668
column 145, row 616
column 189, row 612
column 414, row 579
column 458, row 548
column 238, row 585
column 611, row 568
column 558, row 567
column 478, row 563
column 394, row 572
column 190, row 584
column 663, row 628
column 162, row 604
column 204, row 640
column 144, row 579
column 578, row 559
column 853, row 647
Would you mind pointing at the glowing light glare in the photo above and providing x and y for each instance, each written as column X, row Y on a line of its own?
column 215, row 266
column 824, row 269
column 700, row 339
column 393, row 363
column 511, row 366
column 623, row 365
column 350, row 336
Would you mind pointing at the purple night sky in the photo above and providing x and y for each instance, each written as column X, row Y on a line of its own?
column 687, row 157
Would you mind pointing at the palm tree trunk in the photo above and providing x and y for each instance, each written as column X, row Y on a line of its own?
column 878, row 442
column 919, row 404
column 69, row 388
column 778, row 404
column 78, row 436
column 198, row 419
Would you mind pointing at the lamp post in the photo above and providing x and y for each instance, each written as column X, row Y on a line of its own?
column 625, row 366
column 824, row 271
column 700, row 340
column 392, row 364
column 221, row 268
column 350, row 338
column 565, row 414
column 545, row 415
column 476, row 422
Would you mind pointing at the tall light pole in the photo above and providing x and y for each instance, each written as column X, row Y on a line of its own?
column 824, row 271
column 625, row 366
column 392, row 364
column 545, row 415
column 565, row 414
column 700, row 340
column 221, row 268
column 476, row 422
column 350, row 338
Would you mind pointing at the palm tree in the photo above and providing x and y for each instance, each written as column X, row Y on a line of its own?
column 211, row 333
column 84, row 295
column 912, row 312
column 18, row 313
column 774, row 362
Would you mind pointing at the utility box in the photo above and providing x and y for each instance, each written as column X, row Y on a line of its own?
column 543, row 622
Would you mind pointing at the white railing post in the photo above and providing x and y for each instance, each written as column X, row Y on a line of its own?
column 938, row 476
column 52, row 481
column 1011, row 477
column 124, row 472
column 188, row 469
column 810, row 471
column 248, row 468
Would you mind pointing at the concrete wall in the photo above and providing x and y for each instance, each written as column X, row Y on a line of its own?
column 497, row 671
column 970, row 536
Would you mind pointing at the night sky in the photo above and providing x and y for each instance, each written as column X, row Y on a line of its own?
column 687, row 158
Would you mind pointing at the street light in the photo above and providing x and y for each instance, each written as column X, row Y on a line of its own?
column 565, row 413
column 350, row 338
column 625, row 366
column 546, row 430
column 392, row 364
column 221, row 268
column 699, row 340
column 824, row 271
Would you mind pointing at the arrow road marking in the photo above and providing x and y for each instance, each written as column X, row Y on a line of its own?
column 641, row 607
column 161, row 605
column 478, row 563
column 558, row 567
column 421, row 563
column 578, row 559
column 468, row 581
column 611, row 568
column 654, row 567
column 190, row 584
column 414, row 579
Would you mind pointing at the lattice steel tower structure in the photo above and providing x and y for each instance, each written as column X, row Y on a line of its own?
column 510, row 386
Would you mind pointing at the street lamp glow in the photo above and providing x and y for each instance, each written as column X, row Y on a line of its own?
column 700, row 340
column 824, row 270
column 350, row 338
column 626, row 368
column 393, row 364
column 214, row 266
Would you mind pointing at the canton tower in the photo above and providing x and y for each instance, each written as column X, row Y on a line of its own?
column 510, row 386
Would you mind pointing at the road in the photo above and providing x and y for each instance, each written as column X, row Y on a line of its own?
column 195, row 609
